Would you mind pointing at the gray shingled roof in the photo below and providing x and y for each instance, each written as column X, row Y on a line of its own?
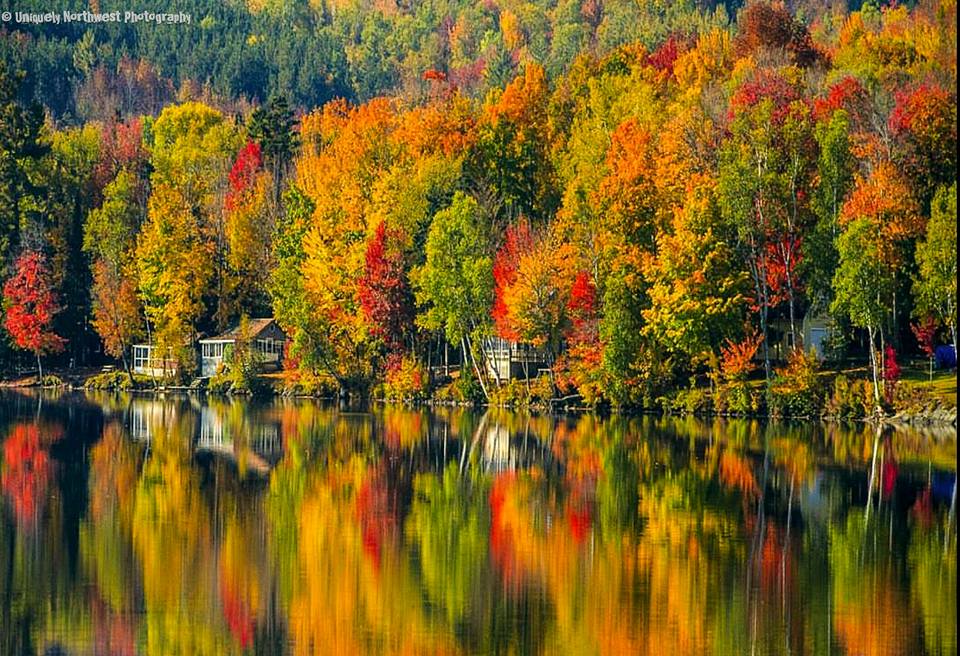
column 257, row 326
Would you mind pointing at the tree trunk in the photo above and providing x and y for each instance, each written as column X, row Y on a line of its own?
column 874, row 369
column 39, row 370
column 953, row 333
column 873, row 472
column 797, row 339
column 476, row 369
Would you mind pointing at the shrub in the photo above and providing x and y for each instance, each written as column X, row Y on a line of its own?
column 849, row 399
column 912, row 399
column 309, row 383
column 405, row 379
column 511, row 393
column 734, row 398
column 220, row 383
column 464, row 388
column 694, row 400
column 796, row 391
column 112, row 380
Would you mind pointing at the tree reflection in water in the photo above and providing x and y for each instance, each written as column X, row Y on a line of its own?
column 162, row 526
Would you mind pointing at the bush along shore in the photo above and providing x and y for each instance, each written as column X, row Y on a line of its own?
column 799, row 390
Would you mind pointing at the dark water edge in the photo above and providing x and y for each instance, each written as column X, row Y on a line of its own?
column 135, row 524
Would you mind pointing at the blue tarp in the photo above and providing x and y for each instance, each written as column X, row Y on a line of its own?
column 945, row 356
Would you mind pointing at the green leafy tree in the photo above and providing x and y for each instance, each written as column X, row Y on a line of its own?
column 455, row 283
column 273, row 128
column 862, row 286
column 836, row 166
column 936, row 285
column 21, row 148
column 110, row 239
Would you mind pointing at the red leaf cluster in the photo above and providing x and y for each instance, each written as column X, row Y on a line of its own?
column 249, row 161
column 121, row 146
column 771, row 26
column 784, row 258
column 926, row 333
column 582, row 308
column 765, row 85
column 518, row 241
column 848, row 94
column 384, row 294
column 891, row 369
column 31, row 304
column 664, row 57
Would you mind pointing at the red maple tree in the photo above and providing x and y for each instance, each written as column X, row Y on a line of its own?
column 30, row 303
column 242, row 175
column 384, row 294
column 926, row 334
column 518, row 240
column 582, row 307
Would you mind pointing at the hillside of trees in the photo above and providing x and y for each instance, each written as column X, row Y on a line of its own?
column 642, row 191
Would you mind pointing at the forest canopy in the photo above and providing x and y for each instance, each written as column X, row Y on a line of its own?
column 641, row 192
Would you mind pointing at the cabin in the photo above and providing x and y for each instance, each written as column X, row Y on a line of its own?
column 150, row 360
column 266, row 339
column 509, row 360
column 816, row 330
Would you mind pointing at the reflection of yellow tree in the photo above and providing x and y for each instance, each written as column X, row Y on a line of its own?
column 240, row 594
column 872, row 615
column 674, row 561
column 105, row 546
column 933, row 586
column 346, row 601
column 171, row 535
column 402, row 428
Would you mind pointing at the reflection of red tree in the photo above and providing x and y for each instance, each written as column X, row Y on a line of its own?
column 27, row 470
column 922, row 508
column 502, row 539
column 579, row 520
column 376, row 511
column 240, row 617
column 113, row 633
column 579, row 506
column 888, row 474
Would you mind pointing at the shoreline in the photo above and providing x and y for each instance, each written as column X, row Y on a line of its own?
column 938, row 416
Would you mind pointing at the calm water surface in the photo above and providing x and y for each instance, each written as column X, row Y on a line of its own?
column 185, row 526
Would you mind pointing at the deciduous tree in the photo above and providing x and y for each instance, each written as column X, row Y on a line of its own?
column 30, row 305
column 936, row 284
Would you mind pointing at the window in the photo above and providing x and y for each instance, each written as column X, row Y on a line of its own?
column 141, row 356
column 212, row 349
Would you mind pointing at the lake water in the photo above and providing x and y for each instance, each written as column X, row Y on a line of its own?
column 134, row 525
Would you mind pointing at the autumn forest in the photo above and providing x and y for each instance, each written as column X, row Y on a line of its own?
column 654, row 199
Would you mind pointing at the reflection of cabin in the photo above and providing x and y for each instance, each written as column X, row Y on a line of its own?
column 509, row 360
column 145, row 415
column 147, row 361
column 254, row 441
column 816, row 330
column 266, row 340
column 216, row 434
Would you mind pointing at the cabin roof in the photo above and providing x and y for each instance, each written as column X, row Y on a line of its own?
column 257, row 327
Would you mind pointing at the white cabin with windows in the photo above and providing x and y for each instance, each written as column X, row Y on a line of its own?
column 148, row 360
column 266, row 339
column 508, row 360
